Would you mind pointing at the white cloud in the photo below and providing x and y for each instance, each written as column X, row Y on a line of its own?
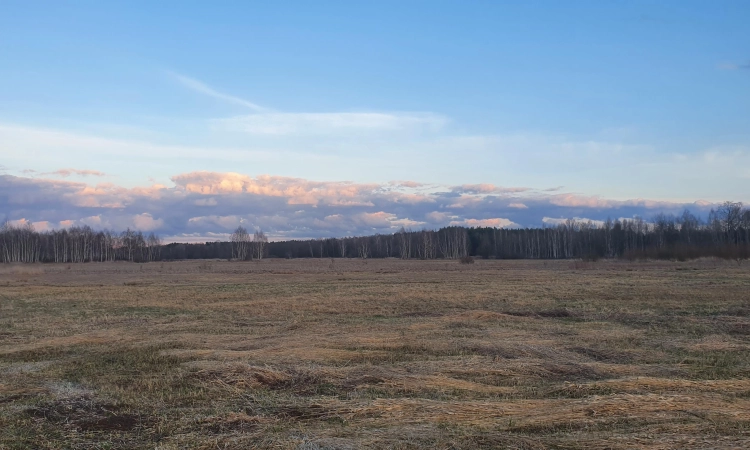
column 196, row 237
column 559, row 221
column 93, row 221
column 225, row 222
column 203, row 88
column 437, row 217
column 327, row 123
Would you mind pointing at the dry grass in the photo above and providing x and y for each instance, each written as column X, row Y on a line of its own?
column 375, row 354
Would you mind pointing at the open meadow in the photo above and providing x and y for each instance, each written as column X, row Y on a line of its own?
column 346, row 354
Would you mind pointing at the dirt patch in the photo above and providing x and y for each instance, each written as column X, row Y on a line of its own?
column 86, row 414
column 313, row 412
column 112, row 423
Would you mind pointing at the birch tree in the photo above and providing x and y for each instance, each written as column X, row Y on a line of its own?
column 240, row 243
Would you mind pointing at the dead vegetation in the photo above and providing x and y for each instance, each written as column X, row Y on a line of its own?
column 387, row 354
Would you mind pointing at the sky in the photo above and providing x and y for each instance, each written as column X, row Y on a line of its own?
column 317, row 119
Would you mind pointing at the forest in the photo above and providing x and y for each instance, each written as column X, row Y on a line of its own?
column 725, row 234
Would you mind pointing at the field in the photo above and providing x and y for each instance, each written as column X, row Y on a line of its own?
column 346, row 354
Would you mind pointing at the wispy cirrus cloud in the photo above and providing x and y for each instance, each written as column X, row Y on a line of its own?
column 200, row 87
column 269, row 122
column 80, row 172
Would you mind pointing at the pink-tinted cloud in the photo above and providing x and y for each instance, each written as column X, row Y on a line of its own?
column 380, row 219
column 407, row 184
column 19, row 223
column 497, row 222
column 146, row 222
column 437, row 217
column 43, row 225
column 296, row 191
column 580, row 201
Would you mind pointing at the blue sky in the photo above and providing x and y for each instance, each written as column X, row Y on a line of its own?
column 616, row 101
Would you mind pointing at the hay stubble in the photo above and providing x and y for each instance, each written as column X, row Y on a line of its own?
column 375, row 354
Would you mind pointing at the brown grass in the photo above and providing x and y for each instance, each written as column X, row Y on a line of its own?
column 375, row 354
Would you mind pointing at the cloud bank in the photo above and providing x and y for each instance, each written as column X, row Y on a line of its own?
column 206, row 206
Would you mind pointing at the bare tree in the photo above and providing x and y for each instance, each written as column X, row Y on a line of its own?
column 259, row 244
column 453, row 242
column 426, row 244
column 404, row 240
column 688, row 226
column 363, row 247
column 730, row 215
column 240, row 243
column 153, row 246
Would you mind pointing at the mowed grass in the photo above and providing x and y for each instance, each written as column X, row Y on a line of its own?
column 321, row 354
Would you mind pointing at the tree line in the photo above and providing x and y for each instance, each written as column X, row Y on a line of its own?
column 725, row 234
column 76, row 245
